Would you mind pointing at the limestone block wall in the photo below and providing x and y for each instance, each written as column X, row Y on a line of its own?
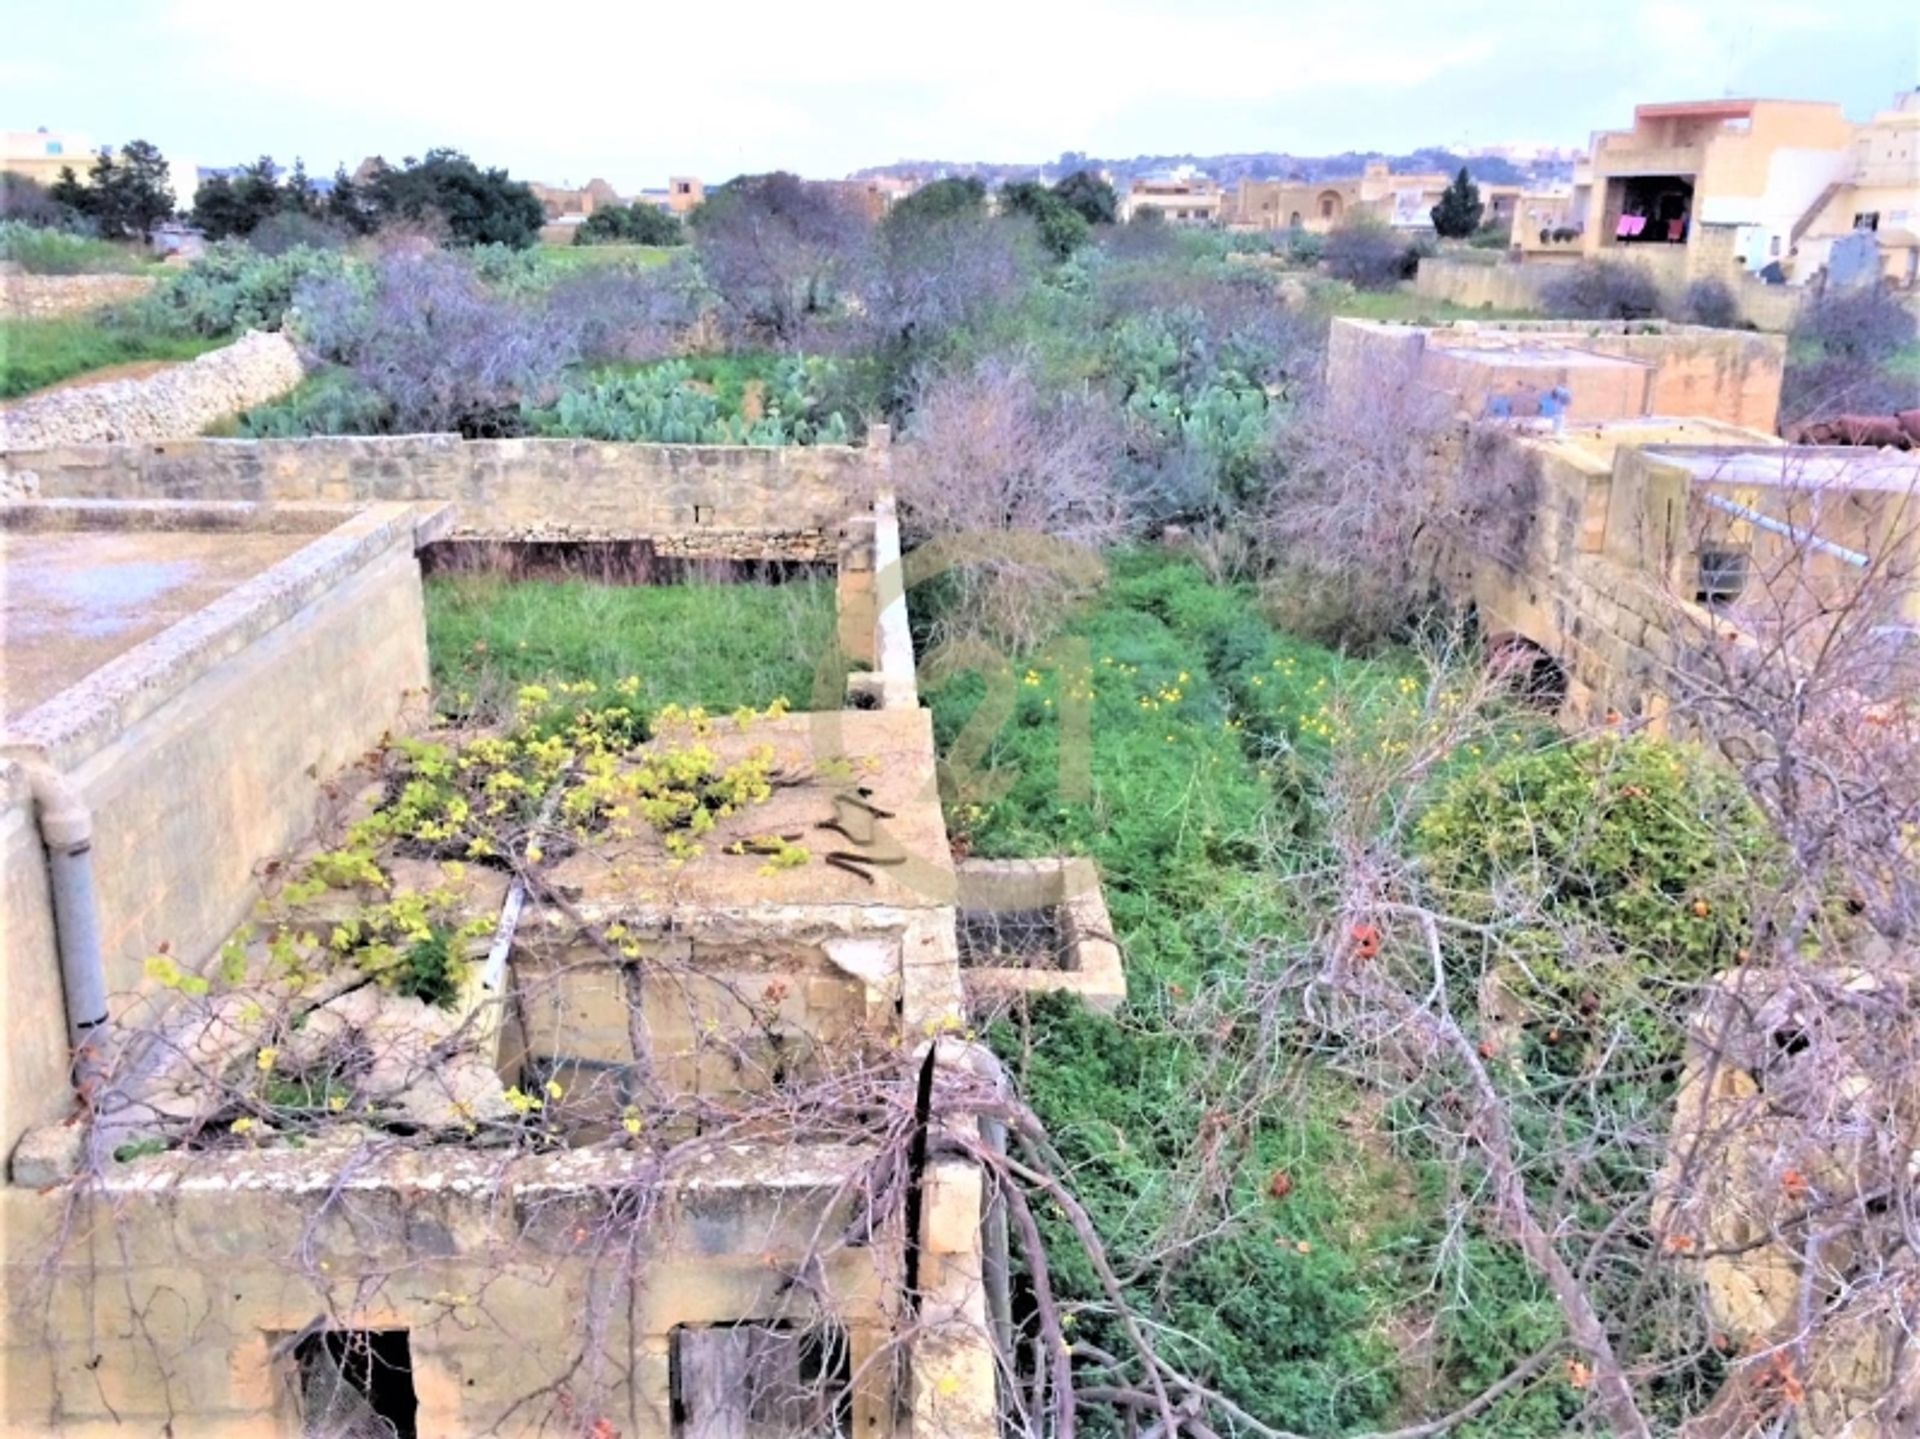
column 703, row 501
column 518, row 1279
column 1524, row 286
column 1732, row 376
column 200, row 753
column 180, row 400
column 45, row 297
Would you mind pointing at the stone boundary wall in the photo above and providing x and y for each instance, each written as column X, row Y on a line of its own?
column 693, row 501
column 46, row 297
column 1523, row 287
column 1730, row 376
column 180, row 400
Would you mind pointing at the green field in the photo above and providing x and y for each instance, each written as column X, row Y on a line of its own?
column 1405, row 305
column 718, row 645
column 565, row 258
column 38, row 353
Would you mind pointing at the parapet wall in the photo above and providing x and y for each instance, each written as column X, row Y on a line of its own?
column 1730, row 376
column 693, row 501
column 198, row 753
column 1524, row 286
column 180, row 400
column 45, row 297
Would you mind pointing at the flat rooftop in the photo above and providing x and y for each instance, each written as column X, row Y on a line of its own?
column 110, row 607
column 1796, row 467
column 833, row 768
column 71, row 600
column 1594, row 446
column 1543, row 353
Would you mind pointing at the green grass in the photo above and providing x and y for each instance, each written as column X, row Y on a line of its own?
column 38, row 353
column 1208, row 729
column 568, row 258
column 718, row 645
column 1405, row 305
column 54, row 252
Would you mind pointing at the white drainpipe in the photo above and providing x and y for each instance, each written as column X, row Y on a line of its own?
column 66, row 828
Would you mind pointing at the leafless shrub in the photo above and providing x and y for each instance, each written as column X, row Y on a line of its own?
column 610, row 313
column 1009, row 493
column 925, row 277
column 1369, row 255
column 1839, row 358
column 781, row 253
column 431, row 341
column 1372, row 490
column 1602, row 290
column 1709, row 301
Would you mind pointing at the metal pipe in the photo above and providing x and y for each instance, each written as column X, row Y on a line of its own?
column 66, row 828
column 1786, row 531
column 996, row 1266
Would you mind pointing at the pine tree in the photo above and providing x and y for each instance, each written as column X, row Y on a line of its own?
column 346, row 206
column 70, row 192
column 143, row 194
column 300, row 194
column 1458, row 213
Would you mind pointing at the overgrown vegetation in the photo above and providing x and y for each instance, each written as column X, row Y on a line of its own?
column 1375, row 1143
column 701, row 643
column 1207, row 731
column 42, row 251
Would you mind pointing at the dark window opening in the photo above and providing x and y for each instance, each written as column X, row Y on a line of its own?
column 608, row 562
column 1723, row 577
column 1653, row 210
column 357, row 1383
column 760, row 1380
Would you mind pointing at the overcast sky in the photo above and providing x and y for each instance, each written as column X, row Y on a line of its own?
column 633, row 90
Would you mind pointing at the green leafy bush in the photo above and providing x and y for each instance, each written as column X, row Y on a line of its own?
column 41, row 251
column 329, row 402
column 233, row 287
column 1619, row 867
column 640, row 223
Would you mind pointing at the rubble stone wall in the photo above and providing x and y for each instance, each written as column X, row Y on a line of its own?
column 180, row 400
column 45, row 297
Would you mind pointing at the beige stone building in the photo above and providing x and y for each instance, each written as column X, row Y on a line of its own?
column 1190, row 200
column 1655, row 513
column 561, row 202
column 42, row 154
column 1697, row 187
column 1880, row 193
column 563, row 1197
column 1404, row 201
